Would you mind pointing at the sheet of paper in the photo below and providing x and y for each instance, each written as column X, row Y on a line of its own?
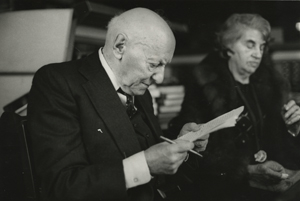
column 224, row 121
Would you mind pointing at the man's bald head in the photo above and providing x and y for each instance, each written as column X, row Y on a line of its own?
column 139, row 25
column 139, row 44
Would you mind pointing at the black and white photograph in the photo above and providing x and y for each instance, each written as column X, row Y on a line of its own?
column 149, row 100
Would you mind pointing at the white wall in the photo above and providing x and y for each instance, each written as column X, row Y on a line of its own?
column 29, row 40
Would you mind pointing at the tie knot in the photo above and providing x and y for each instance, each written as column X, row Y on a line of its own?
column 129, row 103
column 129, row 97
column 122, row 92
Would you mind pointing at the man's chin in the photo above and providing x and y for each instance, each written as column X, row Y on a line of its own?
column 138, row 92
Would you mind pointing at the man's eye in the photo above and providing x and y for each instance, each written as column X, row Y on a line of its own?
column 152, row 65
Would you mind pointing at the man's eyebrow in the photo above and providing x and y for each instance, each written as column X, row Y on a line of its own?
column 157, row 62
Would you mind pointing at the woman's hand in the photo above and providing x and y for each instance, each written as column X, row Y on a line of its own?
column 269, row 172
column 288, row 179
column 291, row 116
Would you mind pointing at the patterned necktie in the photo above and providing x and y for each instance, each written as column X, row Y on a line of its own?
column 130, row 109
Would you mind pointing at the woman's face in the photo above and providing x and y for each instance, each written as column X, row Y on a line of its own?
column 246, row 53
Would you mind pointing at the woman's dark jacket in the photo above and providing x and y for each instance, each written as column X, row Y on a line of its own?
column 211, row 92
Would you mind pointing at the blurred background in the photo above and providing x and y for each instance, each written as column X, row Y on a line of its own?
column 37, row 32
column 198, row 19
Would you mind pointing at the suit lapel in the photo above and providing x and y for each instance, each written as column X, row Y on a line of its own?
column 108, row 105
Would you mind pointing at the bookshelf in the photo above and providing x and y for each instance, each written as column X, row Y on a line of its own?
column 169, row 103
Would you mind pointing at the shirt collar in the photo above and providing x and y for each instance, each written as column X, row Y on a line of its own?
column 108, row 70
column 111, row 76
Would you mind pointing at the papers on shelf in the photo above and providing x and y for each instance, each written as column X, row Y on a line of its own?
column 224, row 121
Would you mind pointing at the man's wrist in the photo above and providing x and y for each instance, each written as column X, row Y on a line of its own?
column 136, row 170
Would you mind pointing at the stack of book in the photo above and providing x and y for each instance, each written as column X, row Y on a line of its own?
column 169, row 103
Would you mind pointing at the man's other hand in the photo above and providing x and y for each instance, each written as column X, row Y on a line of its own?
column 201, row 143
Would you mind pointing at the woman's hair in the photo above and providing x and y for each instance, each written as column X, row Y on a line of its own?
column 236, row 24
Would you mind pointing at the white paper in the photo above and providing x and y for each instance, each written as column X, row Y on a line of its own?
column 224, row 121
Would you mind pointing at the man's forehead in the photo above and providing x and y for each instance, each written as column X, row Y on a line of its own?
column 157, row 57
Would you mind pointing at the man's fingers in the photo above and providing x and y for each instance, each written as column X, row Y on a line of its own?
column 188, row 127
column 182, row 145
column 192, row 126
column 165, row 158
column 199, row 149
column 205, row 137
column 201, row 143
column 183, row 157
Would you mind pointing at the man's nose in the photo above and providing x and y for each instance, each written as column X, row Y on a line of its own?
column 158, row 75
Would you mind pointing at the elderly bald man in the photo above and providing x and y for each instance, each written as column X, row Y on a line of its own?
column 94, row 133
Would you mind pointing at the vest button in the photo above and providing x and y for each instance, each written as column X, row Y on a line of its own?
column 135, row 125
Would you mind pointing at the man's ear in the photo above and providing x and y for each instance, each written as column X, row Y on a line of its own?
column 119, row 46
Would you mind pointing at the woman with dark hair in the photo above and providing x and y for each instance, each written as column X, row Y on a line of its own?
column 258, row 158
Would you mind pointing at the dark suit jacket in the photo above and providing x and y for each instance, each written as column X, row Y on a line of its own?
column 81, row 132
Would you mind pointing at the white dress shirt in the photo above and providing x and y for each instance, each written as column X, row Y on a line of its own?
column 136, row 169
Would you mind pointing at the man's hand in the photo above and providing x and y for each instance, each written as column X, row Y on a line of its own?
column 165, row 158
column 200, row 144
column 291, row 116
